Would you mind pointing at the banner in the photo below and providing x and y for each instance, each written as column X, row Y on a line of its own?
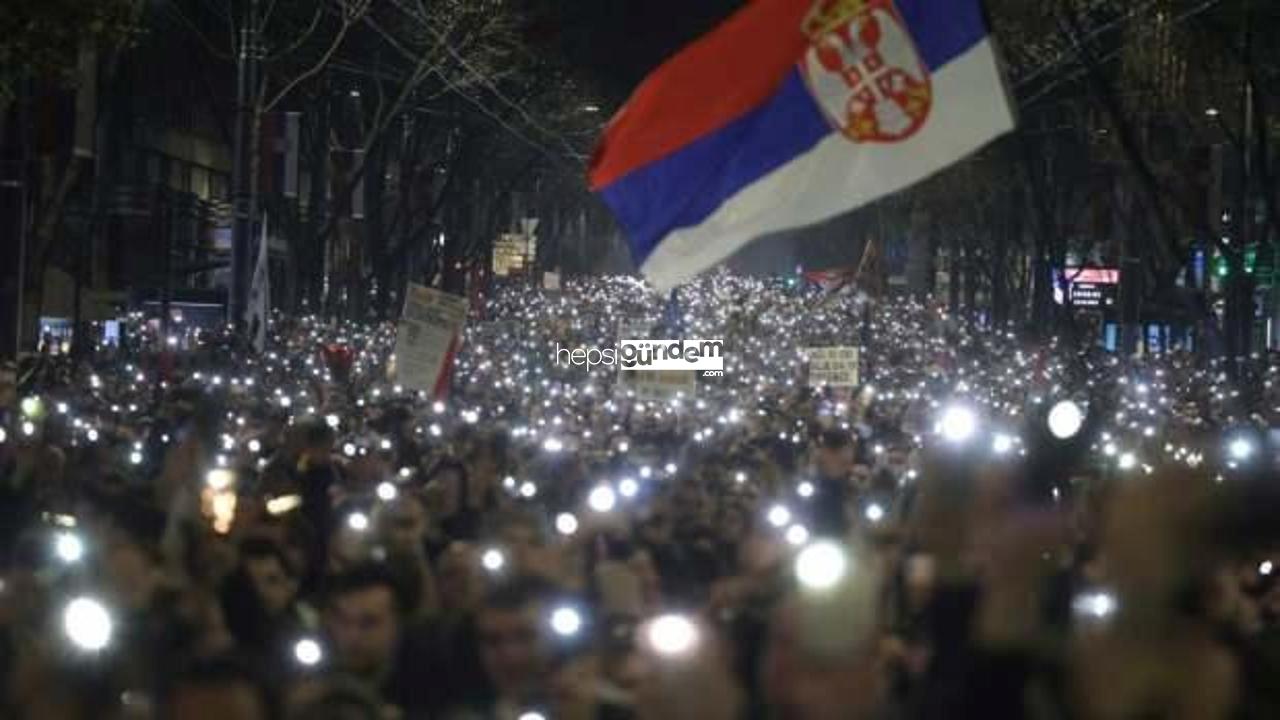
column 551, row 281
column 427, row 337
column 260, row 293
column 832, row 366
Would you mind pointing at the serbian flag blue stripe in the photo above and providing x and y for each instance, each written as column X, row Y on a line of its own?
column 791, row 112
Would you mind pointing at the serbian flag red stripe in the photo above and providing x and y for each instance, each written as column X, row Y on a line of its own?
column 716, row 80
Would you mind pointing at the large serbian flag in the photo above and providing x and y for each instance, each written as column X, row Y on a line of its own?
column 792, row 112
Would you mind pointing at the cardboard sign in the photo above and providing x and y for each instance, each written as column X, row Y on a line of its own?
column 832, row 366
column 429, row 328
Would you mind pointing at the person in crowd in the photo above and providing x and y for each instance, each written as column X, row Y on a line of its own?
column 545, row 541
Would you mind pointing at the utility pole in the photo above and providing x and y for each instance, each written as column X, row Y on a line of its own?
column 22, row 180
column 1239, row 310
column 243, row 196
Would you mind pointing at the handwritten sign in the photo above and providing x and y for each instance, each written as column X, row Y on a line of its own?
column 832, row 366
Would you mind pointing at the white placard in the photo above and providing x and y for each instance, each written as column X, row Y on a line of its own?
column 833, row 366
column 431, row 321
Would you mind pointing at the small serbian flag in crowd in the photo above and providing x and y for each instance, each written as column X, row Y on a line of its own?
column 790, row 113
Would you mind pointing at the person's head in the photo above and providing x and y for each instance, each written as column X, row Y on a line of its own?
column 520, row 533
column 271, row 574
column 899, row 459
column 362, row 619
column 732, row 524
column 446, row 470
column 404, row 525
column 219, row 688
column 317, row 442
column 459, row 577
column 513, row 646
column 130, row 552
column 655, row 529
column 487, row 456
column 336, row 698
column 835, row 454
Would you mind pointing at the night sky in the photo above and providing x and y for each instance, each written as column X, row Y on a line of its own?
column 619, row 41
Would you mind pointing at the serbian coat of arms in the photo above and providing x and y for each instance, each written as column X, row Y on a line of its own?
column 864, row 70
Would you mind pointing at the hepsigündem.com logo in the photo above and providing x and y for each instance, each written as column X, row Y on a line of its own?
column 648, row 355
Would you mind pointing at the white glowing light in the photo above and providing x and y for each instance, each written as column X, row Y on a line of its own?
column 874, row 513
column 740, row 477
column 135, row 457
column 92, row 435
column 28, row 428
column 566, row 523
column 805, row 489
column 778, row 516
column 30, row 405
column 1240, row 449
column 628, row 488
column 332, row 421
column 1096, row 605
column 219, row 479
column 670, row 468
column 528, row 489
column 1002, row 444
column 255, row 446
column 69, row 547
column 958, row 424
column 387, row 491
column 437, row 407
column 797, row 535
column 602, row 499
column 349, row 449
column 821, row 565
column 566, row 621
column 531, row 715
column 87, row 624
column 1265, row 567
column 283, row 504
column 1127, row 461
column 1065, row 419
column 358, row 521
column 308, row 652
column 552, row 445
column 673, row 635
column 493, row 560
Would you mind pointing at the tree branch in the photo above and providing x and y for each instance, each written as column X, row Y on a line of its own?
column 302, row 38
column 347, row 24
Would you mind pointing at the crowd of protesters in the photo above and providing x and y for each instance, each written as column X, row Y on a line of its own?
column 982, row 527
